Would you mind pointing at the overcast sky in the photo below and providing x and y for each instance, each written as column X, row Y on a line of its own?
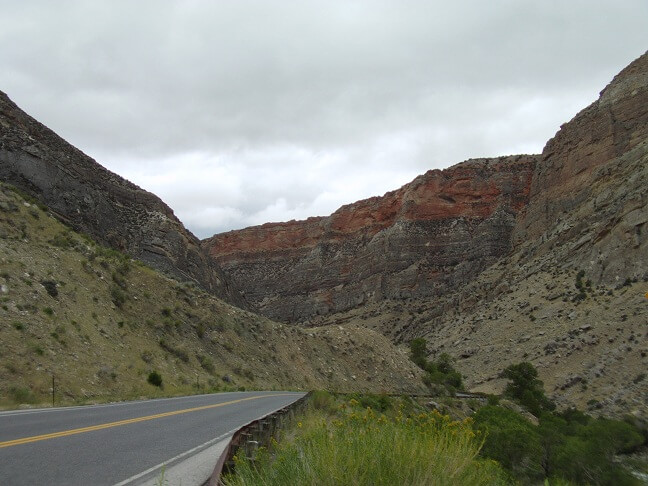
column 242, row 112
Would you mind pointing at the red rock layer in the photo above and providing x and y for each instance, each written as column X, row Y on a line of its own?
column 427, row 236
column 473, row 190
column 437, row 233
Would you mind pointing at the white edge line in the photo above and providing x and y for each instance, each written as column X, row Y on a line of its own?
column 173, row 459
column 201, row 446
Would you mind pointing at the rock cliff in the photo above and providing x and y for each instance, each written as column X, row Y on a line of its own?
column 427, row 238
column 582, row 201
column 569, row 296
column 588, row 198
column 91, row 199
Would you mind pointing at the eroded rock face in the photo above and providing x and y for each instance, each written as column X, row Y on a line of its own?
column 424, row 239
column 582, row 202
column 589, row 197
column 98, row 202
column 570, row 296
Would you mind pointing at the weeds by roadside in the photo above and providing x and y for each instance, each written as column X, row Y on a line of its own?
column 346, row 443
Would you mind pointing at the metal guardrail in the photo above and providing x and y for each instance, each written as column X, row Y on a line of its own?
column 253, row 435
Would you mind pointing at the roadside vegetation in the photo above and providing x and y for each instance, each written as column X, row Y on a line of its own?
column 533, row 441
column 568, row 445
column 518, row 438
column 380, row 440
column 338, row 441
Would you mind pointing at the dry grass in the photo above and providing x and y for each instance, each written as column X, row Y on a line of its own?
column 101, row 322
column 355, row 446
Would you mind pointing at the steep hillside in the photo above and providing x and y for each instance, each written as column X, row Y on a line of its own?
column 95, row 201
column 555, row 274
column 588, row 197
column 570, row 297
column 425, row 239
column 101, row 322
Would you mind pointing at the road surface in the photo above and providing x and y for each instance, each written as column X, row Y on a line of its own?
column 114, row 443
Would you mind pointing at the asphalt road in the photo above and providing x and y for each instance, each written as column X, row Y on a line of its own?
column 107, row 444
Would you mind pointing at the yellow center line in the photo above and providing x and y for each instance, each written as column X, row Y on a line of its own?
column 82, row 430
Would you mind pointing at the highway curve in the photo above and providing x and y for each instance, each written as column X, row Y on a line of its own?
column 110, row 444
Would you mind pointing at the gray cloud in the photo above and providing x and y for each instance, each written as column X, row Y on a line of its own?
column 240, row 112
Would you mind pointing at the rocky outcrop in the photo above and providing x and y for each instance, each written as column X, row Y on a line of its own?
column 98, row 202
column 588, row 200
column 570, row 295
column 582, row 202
column 425, row 239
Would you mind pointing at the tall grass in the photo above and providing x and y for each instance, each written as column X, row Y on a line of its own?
column 361, row 447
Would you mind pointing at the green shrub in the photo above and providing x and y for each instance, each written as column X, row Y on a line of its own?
column 418, row 352
column 155, row 379
column 323, row 400
column 50, row 287
column 492, row 399
column 206, row 363
column 48, row 311
column 178, row 352
column 200, row 330
column 378, row 403
column 525, row 388
column 119, row 280
column 118, row 296
column 511, row 440
column 63, row 240
column 22, row 394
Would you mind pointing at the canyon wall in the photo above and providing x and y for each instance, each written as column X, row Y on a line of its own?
column 429, row 237
column 91, row 199
column 583, row 198
column 589, row 197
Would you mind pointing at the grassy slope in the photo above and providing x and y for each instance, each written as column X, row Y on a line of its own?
column 113, row 320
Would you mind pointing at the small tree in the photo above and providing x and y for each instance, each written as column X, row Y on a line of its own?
column 525, row 388
column 439, row 371
column 418, row 352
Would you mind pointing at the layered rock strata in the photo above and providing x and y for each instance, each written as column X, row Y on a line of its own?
column 589, row 197
column 427, row 238
column 584, row 198
column 91, row 199
column 570, row 296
